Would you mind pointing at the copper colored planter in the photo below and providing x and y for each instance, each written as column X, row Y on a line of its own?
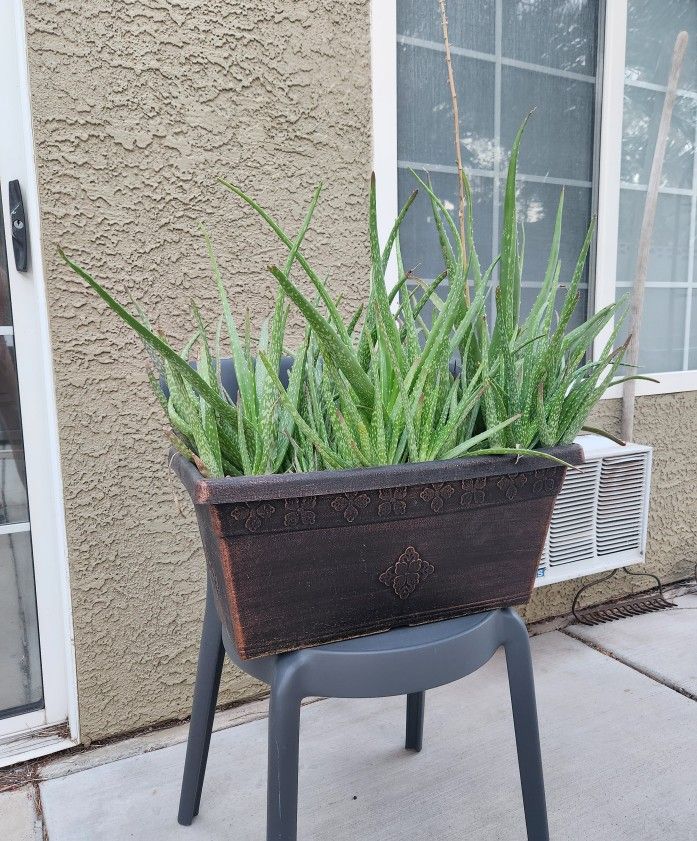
column 303, row 559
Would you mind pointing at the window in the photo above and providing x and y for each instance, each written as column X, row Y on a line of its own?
column 596, row 73
column 668, row 340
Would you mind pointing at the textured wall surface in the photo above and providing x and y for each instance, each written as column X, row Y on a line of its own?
column 137, row 107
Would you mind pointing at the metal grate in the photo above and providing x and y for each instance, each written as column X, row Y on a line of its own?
column 572, row 530
column 621, row 500
column 623, row 608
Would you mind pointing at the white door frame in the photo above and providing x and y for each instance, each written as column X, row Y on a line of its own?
column 56, row 726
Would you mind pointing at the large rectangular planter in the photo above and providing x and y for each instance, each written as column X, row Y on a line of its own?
column 302, row 559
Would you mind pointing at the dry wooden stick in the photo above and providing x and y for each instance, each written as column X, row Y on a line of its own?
column 644, row 250
column 456, row 120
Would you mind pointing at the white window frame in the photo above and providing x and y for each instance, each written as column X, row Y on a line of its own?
column 384, row 94
column 55, row 727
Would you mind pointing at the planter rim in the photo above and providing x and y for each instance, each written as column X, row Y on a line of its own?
column 233, row 489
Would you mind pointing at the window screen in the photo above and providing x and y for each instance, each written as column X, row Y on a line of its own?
column 508, row 56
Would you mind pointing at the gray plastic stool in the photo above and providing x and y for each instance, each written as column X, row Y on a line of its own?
column 404, row 661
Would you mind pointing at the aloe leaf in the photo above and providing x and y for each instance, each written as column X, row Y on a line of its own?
column 187, row 409
column 545, row 297
column 241, row 360
column 408, row 333
column 156, row 389
column 474, row 267
column 595, row 430
column 456, row 418
column 354, row 320
column 333, row 346
column 508, row 299
column 428, row 294
column 208, row 419
column 572, row 294
column 378, row 290
column 463, row 448
column 405, row 402
column 287, row 421
column 330, row 457
column 247, row 463
column 338, row 323
column 446, row 215
column 395, row 228
column 521, row 451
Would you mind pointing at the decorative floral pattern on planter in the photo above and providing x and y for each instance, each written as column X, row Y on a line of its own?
column 436, row 494
column 407, row 573
column 511, row 484
column 300, row 512
column 543, row 482
column 392, row 501
column 383, row 505
column 253, row 515
column 473, row 492
column 350, row 504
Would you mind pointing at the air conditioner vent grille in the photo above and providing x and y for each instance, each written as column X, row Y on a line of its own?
column 599, row 518
column 621, row 500
column 571, row 532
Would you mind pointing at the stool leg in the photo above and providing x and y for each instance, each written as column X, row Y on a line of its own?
column 284, row 738
column 415, row 721
column 210, row 665
column 522, row 688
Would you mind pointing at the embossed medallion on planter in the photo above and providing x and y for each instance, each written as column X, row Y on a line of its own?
column 405, row 575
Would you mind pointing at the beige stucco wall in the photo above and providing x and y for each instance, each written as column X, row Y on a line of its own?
column 137, row 106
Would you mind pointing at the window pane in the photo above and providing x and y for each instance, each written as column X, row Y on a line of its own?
column 14, row 507
column 559, row 137
column 668, row 260
column 554, row 34
column 642, row 114
column 418, row 236
column 662, row 335
column 424, row 114
column 5, row 308
column 559, row 38
column 528, row 295
column 20, row 662
column 537, row 209
column 651, row 31
column 470, row 25
column 667, row 332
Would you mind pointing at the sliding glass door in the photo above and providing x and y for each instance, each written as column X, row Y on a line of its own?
column 21, row 687
column 37, row 675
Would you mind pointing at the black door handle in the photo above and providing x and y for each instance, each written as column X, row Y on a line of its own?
column 20, row 241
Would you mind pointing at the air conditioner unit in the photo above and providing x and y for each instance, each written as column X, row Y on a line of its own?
column 600, row 516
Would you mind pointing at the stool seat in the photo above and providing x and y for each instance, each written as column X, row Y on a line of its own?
column 410, row 637
column 394, row 662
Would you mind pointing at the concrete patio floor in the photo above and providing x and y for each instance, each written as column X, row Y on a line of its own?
column 618, row 718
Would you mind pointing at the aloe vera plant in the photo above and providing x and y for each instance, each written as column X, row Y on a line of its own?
column 384, row 387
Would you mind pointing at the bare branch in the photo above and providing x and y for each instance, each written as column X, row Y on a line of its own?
column 456, row 121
